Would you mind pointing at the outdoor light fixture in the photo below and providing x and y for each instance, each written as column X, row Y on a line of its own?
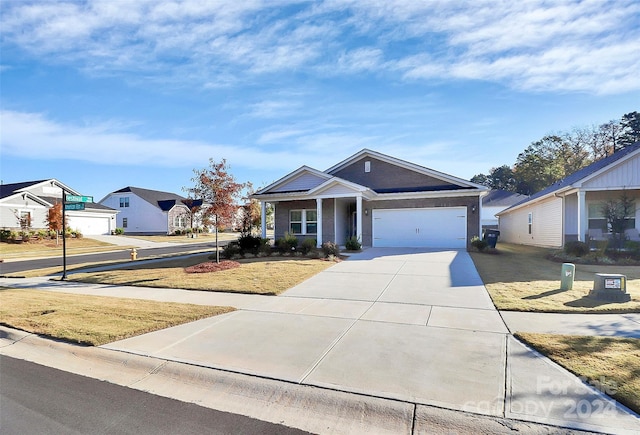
column 473, row 209
column 366, row 212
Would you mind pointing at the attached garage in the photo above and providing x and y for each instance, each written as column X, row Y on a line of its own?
column 94, row 220
column 90, row 226
column 440, row 227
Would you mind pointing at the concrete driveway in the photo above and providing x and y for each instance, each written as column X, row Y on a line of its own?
column 406, row 324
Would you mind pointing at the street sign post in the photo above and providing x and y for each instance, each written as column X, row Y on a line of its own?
column 74, row 206
column 78, row 198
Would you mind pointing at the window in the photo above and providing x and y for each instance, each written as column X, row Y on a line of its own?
column 367, row 166
column 124, row 202
column 530, row 223
column 311, row 221
column 124, row 222
column 180, row 221
column 595, row 214
column 25, row 220
column 598, row 220
column 303, row 221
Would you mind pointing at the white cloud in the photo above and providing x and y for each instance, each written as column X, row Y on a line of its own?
column 591, row 46
column 33, row 136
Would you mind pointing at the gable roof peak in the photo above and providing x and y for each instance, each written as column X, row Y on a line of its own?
column 407, row 165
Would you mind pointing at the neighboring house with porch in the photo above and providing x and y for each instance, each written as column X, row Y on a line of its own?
column 571, row 209
column 493, row 203
column 146, row 211
column 31, row 200
column 381, row 200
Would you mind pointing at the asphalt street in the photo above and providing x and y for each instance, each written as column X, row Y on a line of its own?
column 122, row 255
column 38, row 399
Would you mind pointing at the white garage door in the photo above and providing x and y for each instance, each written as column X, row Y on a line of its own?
column 443, row 227
column 89, row 225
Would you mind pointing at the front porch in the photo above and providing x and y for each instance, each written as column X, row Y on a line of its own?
column 584, row 218
column 323, row 219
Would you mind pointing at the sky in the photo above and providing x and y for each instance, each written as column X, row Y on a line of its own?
column 107, row 94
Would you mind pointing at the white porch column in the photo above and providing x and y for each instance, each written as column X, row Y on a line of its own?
column 359, row 218
column 319, row 224
column 583, row 217
column 263, row 219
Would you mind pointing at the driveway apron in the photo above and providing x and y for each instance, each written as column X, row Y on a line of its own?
column 407, row 324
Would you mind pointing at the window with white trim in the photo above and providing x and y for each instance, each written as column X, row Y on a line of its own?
column 303, row 221
column 124, row 202
column 180, row 221
column 598, row 220
column 530, row 218
column 124, row 222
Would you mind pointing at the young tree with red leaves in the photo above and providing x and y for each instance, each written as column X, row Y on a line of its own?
column 219, row 192
column 54, row 219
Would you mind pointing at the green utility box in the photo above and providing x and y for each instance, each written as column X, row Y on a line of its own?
column 567, row 276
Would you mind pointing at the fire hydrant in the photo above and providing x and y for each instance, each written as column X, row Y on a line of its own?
column 134, row 254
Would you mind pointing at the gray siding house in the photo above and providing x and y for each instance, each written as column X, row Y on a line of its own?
column 381, row 200
column 33, row 199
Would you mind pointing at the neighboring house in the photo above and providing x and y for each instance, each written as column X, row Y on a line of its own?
column 381, row 200
column 33, row 199
column 493, row 203
column 571, row 209
column 145, row 211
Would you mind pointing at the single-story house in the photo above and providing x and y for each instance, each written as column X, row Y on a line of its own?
column 33, row 199
column 146, row 211
column 493, row 203
column 571, row 209
column 381, row 200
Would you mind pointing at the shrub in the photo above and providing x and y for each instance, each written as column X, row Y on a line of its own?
column 265, row 247
column 330, row 249
column 229, row 251
column 5, row 235
column 177, row 232
column 42, row 234
column 479, row 243
column 632, row 246
column 287, row 244
column 249, row 243
column 307, row 246
column 119, row 231
column 576, row 248
column 352, row 244
column 78, row 234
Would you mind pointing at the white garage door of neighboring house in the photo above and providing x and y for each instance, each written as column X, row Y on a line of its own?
column 443, row 227
column 90, row 226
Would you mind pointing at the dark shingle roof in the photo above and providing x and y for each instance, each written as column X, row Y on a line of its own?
column 163, row 200
column 10, row 189
column 498, row 198
column 583, row 173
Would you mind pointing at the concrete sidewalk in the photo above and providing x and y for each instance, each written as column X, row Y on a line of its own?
column 412, row 326
column 605, row 325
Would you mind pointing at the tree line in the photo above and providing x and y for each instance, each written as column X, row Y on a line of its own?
column 558, row 155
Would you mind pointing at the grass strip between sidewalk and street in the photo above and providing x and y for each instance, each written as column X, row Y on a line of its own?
column 262, row 275
column 521, row 278
column 610, row 364
column 49, row 248
column 93, row 320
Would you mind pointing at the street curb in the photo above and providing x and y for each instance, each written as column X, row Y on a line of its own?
column 309, row 408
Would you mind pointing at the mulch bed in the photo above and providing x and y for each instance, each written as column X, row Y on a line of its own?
column 212, row 266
